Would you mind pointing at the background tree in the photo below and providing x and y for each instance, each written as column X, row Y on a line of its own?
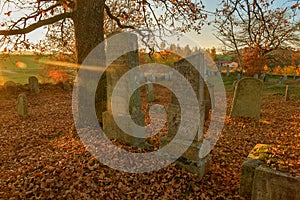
column 89, row 21
column 258, row 25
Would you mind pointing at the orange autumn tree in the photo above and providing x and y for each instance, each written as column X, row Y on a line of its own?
column 254, row 61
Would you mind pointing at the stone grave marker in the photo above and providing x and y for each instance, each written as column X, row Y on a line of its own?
column 266, row 78
column 10, row 87
column 22, row 105
column 285, row 77
column 190, row 160
column 247, row 98
column 134, row 111
column 255, row 76
column 280, row 80
column 238, row 76
column 33, row 85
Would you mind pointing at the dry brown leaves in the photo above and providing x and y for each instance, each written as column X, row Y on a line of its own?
column 42, row 156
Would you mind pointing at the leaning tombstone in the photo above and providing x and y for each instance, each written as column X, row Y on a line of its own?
column 247, row 98
column 22, row 105
column 287, row 93
column 33, row 84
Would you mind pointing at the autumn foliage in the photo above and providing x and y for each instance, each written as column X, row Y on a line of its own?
column 254, row 61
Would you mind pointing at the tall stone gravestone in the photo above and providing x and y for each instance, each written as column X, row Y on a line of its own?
column 266, row 78
column 188, row 68
column 22, row 105
column 247, row 98
column 116, row 70
column 33, row 85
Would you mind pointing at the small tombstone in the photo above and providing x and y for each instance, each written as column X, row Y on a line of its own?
column 287, row 93
column 266, row 78
column 280, row 80
column 247, row 98
column 150, row 92
column 294, row 77
column 66, row 85
column 22, row 106
column 263, row 75
column 285, row 77
column 10, row 87
column 238, row 76
column 255, row 76
column 33, row 84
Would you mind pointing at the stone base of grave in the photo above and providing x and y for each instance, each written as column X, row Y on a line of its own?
column 112, row 131
column 190, row 159
column 200, row 167
column 259, row 182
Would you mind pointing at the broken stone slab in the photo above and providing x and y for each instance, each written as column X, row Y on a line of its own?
column 269, row 184
column 258, row 182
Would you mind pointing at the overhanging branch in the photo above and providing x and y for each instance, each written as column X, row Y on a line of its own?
column 36, row 25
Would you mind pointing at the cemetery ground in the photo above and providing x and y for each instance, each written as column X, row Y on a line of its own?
column 43, row 157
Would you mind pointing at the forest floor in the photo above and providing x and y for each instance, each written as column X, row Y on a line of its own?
column 43, row 157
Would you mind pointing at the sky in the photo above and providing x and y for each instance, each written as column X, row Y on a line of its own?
column 204, row 40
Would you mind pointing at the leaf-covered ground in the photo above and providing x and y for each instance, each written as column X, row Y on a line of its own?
column 42, row 156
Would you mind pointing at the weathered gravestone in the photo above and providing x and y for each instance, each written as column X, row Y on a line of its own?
column 22, row 105
column 285, row 77
column 280, row 80
column 33, row 84
column 124, row 112
column 247, row 98
column 190, row 159
column 10, row 87
column 239, row 76
column 266, row 78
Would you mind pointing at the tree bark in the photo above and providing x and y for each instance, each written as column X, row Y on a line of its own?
column 89, row 26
